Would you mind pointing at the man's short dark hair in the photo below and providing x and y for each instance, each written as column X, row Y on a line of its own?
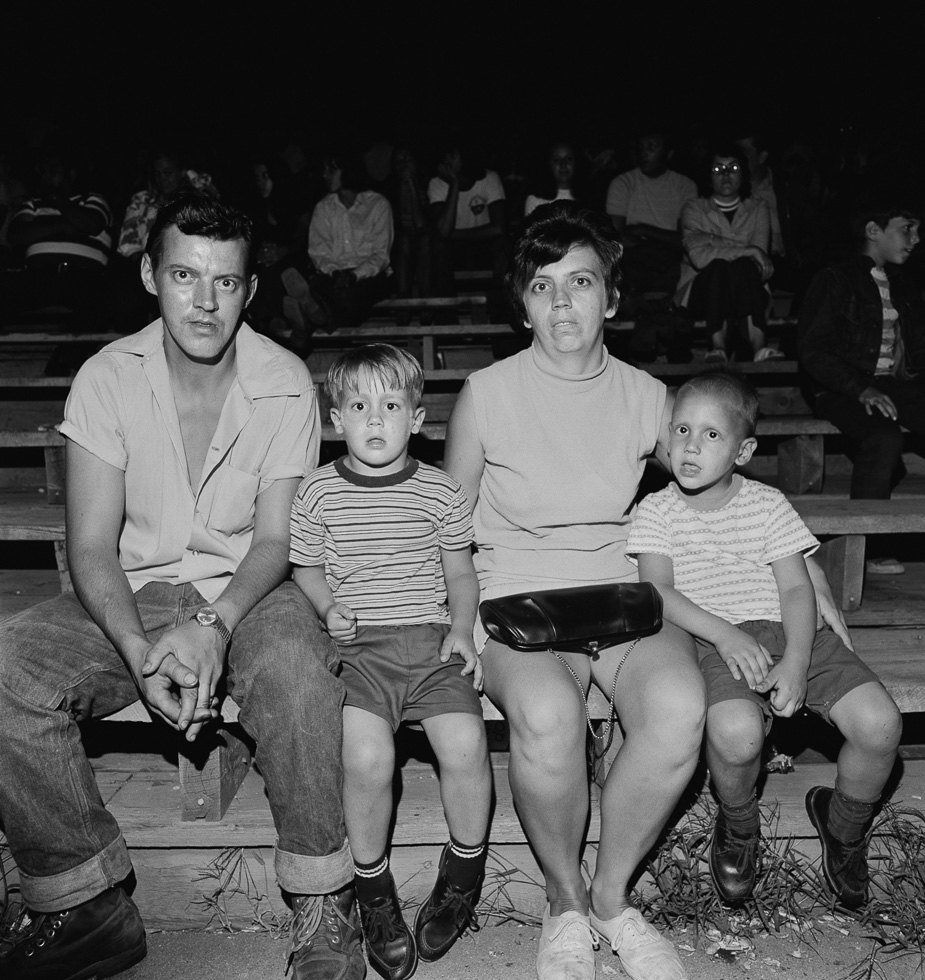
column 877, row 208
column 733, row 390
column 198, row 214
column 550, row 233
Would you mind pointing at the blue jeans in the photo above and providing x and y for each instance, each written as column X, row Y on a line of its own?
column 57, row 668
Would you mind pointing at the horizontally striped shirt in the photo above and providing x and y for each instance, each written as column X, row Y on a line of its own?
column 722, row 558
column 379, row 539
column 77, row 244
column 886, row 358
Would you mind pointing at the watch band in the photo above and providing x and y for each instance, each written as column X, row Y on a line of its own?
column 209, row 618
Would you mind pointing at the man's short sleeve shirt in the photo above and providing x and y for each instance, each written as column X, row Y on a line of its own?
column 121, row 409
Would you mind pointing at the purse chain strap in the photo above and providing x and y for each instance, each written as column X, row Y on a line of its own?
column 611, row 714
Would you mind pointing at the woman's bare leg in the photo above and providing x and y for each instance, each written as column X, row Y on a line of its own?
column 548, row 775
column 661, row 704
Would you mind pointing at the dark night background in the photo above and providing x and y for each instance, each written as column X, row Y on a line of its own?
column 221, row 84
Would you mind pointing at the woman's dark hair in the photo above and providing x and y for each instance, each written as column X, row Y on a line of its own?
column 197, row 214
column 727, row 148
column 550, row 233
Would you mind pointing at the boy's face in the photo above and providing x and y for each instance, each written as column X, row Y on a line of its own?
column 705, row 445
column 893, row 244
column 377, row 424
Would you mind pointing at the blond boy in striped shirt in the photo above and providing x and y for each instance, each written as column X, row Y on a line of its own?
column 381, row 546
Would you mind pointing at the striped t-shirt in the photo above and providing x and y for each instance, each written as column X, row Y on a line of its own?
column 886, row 357
column 379, row 539
column 722, row 558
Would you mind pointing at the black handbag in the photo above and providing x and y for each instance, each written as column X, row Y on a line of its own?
column 585, row 619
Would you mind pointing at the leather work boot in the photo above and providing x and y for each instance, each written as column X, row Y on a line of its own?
column 445, row 915
column 98, row 938
column 734, row 862
column 324, row 939
column 844, row 866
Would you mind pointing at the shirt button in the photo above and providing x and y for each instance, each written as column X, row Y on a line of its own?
column 196, row 553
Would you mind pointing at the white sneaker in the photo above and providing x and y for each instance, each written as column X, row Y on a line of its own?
column 566, row 950
column 644, row 954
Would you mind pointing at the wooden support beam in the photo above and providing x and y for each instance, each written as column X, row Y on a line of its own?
column 842, row 559
column 211, row 772
column 801, row 464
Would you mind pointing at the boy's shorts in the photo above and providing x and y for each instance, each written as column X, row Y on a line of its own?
column 834, row 670
column 395, row 672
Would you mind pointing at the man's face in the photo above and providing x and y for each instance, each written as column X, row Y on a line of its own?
column 652, row 155
column 202, row 288
column 894, row 243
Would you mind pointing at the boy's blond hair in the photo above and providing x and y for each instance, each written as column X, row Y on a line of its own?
column 393, row 368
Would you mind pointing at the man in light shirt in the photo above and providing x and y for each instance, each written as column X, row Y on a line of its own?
column 185, row 445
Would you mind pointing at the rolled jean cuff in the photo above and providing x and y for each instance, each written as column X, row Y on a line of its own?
column 304, row 874
column 55, row 893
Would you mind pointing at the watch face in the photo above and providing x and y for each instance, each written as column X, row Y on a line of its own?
column 207, row 617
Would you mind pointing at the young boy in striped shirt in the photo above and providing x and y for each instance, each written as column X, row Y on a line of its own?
column 381, row 547
column 728, row 556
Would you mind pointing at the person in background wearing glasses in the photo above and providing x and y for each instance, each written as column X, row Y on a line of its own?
column 726, row 236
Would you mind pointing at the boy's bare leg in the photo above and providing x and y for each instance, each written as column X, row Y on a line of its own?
column 461, row 748
column 459, row 742
column 872, row 725
column 369, row 763
column 734, row 740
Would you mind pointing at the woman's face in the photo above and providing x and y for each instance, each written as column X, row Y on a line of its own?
column 562, row 165
column 726, row 176
column 567, row 303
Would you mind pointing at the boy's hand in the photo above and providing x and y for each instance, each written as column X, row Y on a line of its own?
column 462, row 644
column 745, row 657
column 341, row 623
column 787, row 686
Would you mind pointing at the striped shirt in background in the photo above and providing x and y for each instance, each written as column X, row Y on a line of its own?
column 722, row 558
column 379, row 539
column 886, row 359
column 90, row 249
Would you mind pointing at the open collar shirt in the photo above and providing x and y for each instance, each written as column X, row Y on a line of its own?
column 121, row 408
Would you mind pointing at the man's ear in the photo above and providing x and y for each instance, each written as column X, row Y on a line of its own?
column 337, row 420
column 612, row 310
column 417, row 419
column 746, row 450
column 251, row 289
column 147, row 274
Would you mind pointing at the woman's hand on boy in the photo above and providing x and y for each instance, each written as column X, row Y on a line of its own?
column 786, row 683
column 745, row 657
column 461, row 643
column 341, row 623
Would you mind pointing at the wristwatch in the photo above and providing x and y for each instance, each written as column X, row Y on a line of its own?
column 207, row 616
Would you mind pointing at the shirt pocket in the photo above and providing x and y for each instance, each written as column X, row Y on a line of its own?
column 234, row 502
